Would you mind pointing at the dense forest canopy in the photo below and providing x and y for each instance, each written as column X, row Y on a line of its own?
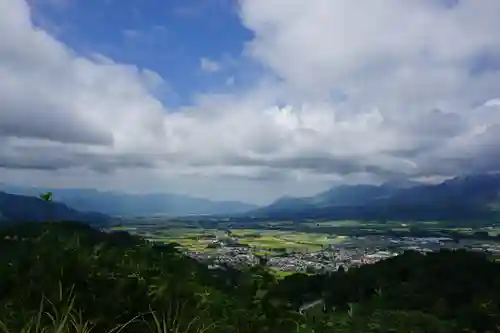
column 68, row 277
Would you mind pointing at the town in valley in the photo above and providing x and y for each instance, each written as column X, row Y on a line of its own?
column 309, row 247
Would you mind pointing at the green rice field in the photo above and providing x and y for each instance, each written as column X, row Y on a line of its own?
column 264, row 241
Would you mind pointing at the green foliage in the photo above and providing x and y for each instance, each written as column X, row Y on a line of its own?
column 115, row 278
column 46, row 196
column 68, row 277
column 438, row 292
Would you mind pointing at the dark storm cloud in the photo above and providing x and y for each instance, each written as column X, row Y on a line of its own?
column 478, row 153
column 438, row 124
column 63, row 157
column 264, row 174
column 481, row 153
column 258, row 174
column 320, row 164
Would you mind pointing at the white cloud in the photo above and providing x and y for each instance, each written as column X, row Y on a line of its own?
column 406, row 59
column 412, row 76
column 209, row 66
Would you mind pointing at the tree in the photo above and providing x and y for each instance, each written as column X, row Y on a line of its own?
column 46, row 196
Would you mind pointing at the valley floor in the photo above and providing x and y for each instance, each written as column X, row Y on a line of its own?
column 317, row 246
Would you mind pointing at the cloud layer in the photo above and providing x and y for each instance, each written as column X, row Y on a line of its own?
column 384, row 90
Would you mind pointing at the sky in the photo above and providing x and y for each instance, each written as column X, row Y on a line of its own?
column 247, row 100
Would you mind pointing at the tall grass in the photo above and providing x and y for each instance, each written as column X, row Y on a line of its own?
column 65, row 318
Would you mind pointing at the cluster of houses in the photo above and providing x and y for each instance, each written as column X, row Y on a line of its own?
column 357, row 251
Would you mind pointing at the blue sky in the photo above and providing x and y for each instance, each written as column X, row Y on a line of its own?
column 170, row 37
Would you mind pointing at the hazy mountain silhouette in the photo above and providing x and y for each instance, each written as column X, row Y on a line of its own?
column 20, row 208
column 124, row 204
column 461, row 198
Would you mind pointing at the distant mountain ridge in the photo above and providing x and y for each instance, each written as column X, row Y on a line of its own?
column 20, row 208
column 462, row 198
column 470, row 197
column 343, row 195
column 124, row 204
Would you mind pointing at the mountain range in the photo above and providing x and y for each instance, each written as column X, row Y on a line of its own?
column 21, row 208
column 461, row 198
column 124, row 204
column 467, row 198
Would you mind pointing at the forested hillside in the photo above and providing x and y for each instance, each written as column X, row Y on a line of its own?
column 68, row 277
